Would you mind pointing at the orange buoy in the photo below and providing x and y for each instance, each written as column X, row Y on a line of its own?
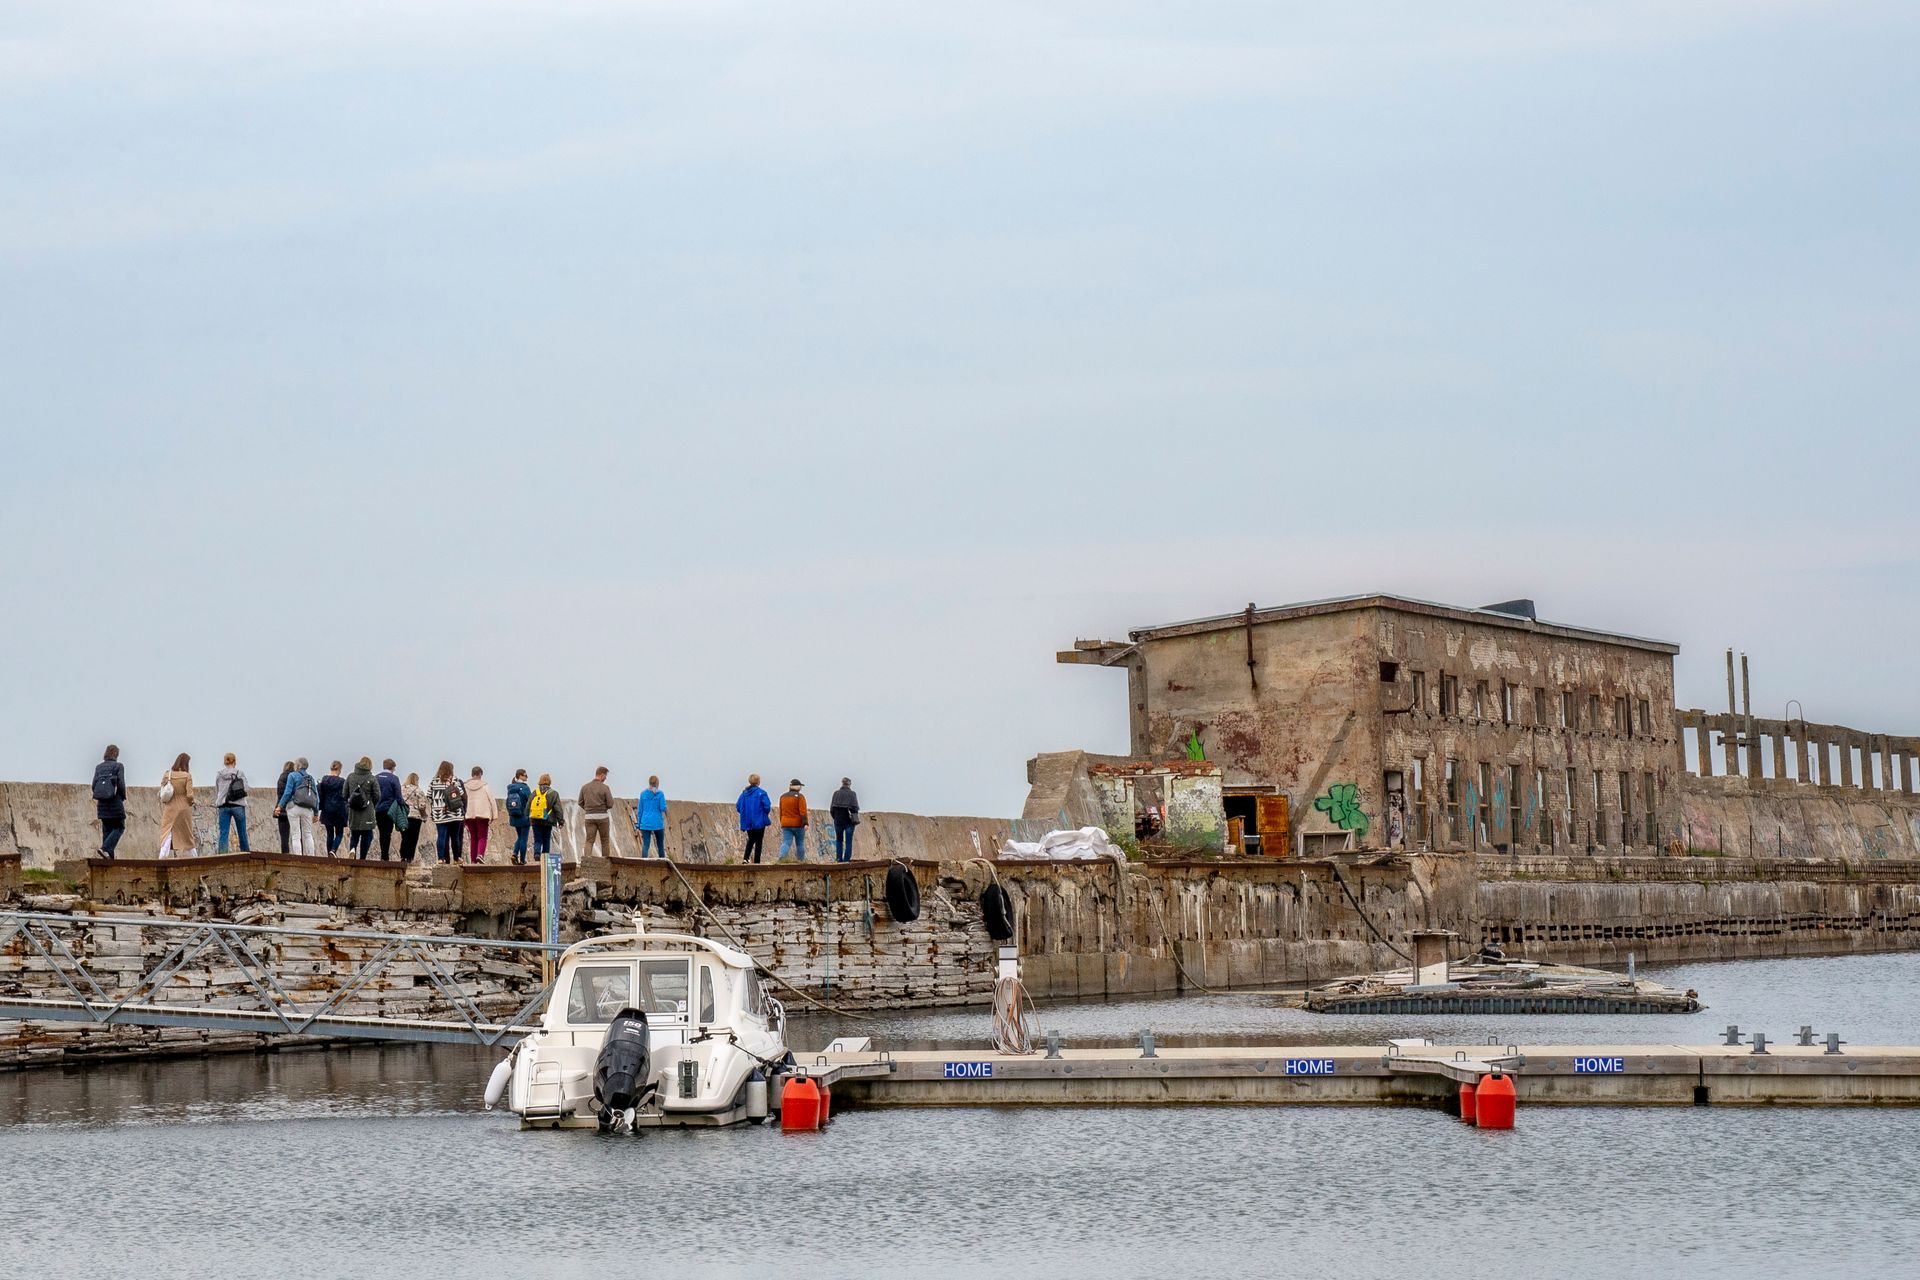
column 800, row 1105
column 1494, row 1102
column 1467, row 1103
column 826, row 1105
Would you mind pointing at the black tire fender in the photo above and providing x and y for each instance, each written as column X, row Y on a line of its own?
column 903, row 894
column 996, row 908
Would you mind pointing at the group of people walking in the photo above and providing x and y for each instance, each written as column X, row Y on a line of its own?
column 359, row 806
column 756, row 807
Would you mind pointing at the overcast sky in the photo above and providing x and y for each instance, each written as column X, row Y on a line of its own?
column 706, row 387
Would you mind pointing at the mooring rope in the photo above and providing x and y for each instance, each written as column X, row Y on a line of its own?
column 1334, row 867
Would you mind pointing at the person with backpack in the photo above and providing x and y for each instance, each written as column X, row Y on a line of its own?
column 519, row 795
column 543, row 811
column 387, row 805
column 414, row 797
column 755, row 808
column 230, row 798
column 176, row 810
column 650, row 817
column 333, row 807
column 299, row 802
column 480, row 807
column 363, row 798
column 280, row 814
column 846, row 816
column 110, row 800
column 447, row 806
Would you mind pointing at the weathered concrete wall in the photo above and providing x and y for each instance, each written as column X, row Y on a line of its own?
column 46, row 822
column 1769, row 818
column 1596, row 911
column 1084, row 929
column 1530, row 707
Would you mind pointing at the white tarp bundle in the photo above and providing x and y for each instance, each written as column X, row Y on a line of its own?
column 1066, row 846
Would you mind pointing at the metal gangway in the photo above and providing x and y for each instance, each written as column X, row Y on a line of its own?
column 247, row 983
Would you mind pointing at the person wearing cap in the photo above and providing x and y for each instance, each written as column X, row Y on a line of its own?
column 846, row 816
column 793, row 822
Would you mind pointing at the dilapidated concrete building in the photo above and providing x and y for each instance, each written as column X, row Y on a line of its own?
column 1376, row 721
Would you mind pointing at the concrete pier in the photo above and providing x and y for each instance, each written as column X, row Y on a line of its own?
column 1606, row 1075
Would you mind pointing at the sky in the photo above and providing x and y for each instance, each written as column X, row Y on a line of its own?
column 700, row 388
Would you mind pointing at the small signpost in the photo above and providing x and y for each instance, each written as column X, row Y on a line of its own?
column 549, row 909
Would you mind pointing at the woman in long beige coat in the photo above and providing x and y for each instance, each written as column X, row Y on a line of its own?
column 176, row 815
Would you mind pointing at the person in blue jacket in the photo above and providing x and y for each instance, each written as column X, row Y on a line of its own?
column 519, row 799
column 650, row 817
column 756, row 813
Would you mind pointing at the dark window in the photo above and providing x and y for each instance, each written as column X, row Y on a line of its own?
column 1593, row 713
column 1566, row 709
column 1540, row 706
column 1647, row 806
column 1515, row 810
column 1419, row 799
column 1420, row 692
column 1646, row 716
column 1452, row 800
column 1389, row 672
column 1480, row 699
column 1486, row 804
column 1621, row 725
column 1449, row 695
column 1507, row 712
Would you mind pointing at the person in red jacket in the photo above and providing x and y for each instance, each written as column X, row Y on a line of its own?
column 793, row 822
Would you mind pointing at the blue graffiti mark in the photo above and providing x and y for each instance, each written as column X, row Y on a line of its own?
column 1530, row 806
column 1499, row 805
column 1473, row 808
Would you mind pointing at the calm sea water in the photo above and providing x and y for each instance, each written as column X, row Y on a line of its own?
column 377, row 1162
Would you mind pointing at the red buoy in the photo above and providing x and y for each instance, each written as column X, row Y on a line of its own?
column 826, row 1105
column 1494, row 1102
column 1467, row 1103
column 800, row 1105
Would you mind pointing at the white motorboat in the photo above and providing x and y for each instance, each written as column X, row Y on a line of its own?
column 648, row 1029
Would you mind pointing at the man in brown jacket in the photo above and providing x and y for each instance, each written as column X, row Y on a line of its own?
column 596, row 812
column 793, row 822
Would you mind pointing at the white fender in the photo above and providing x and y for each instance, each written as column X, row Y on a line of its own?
column 497, row 1082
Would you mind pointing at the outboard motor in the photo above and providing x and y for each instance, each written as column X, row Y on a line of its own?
column 620, row 1072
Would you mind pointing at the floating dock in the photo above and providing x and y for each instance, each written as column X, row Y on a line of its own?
column 1422, row 1075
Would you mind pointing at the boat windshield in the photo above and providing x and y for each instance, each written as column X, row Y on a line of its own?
column 598, row 993
column 663, row 988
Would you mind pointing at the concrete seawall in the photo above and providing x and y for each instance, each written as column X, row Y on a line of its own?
column 1085, row 929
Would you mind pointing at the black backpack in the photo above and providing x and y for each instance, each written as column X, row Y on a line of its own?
column 236, row 789
column 106, row 784
column 358, row 798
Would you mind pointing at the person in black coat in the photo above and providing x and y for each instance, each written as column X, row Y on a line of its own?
column 846, row 816
column 110, row 799
column 333, row 808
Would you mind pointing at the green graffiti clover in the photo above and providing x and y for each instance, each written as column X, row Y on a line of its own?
column 1341, row 804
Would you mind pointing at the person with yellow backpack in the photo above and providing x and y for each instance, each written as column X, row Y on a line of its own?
column 543, row 811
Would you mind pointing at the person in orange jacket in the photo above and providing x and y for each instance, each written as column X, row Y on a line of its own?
column 793, row 822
